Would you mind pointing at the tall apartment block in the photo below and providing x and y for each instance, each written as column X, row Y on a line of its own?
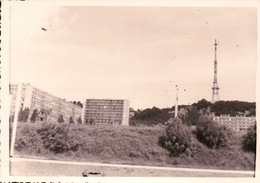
column 106, row 111
column 34, row 98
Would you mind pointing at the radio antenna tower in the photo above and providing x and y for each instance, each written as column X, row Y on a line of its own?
column 215, row 88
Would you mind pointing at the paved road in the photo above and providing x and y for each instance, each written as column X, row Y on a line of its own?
column 36, row 167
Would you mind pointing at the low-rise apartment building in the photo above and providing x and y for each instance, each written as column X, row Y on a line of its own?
column 34, row 98
column 236, row 123
column 106, row 111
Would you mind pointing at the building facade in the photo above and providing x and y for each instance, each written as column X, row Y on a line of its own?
column 106, row 111
column 34, row 98
column 236, row 123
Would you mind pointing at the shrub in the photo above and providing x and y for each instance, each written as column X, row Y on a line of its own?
column 79, row 120
column 23, row 114
column 56, row 137
column 191, row 117
column 34, row 115
column 211, row 133
column 71, row 120
column 60, row 119
column 177, row 137
column 249, row 140
column 27, row 140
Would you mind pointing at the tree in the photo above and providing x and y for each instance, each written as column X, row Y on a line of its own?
column 79, row 104
column 34, row 115
column 191, row 117
column 71, row 120
column 211, row 133
column 23, row 114
column 92, row 122
column 151, row 116
column 20, row 114
column 79, row 120
column 60, row 119
column 177, row 137
column 249, row 140
column 202, row 104
column 252, row 112
column 232, row 107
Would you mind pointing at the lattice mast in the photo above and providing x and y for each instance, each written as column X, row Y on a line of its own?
column 215, row 88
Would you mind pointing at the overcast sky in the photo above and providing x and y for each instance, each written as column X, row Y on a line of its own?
column 135, row 53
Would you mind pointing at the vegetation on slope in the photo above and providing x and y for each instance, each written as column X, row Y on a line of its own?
column 129, row 145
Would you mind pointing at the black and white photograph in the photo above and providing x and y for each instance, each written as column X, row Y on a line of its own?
column 117, row 90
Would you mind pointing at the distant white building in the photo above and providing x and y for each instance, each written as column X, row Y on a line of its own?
column 236, row 123
column 106, row 111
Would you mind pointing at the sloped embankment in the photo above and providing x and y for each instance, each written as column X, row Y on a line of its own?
column 127, row 145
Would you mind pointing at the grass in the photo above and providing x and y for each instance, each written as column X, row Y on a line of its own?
column 131, row 145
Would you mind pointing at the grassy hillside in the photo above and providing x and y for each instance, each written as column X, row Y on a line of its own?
column 131, row 145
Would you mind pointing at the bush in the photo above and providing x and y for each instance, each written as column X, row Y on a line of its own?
column 60, row 119
column 191, row 118
column 211, row 133
column 249, row 140
column 34, row 115
column 56, row 138
column 27, row 140
column 23, row 114
column 79, row 120
column 177, row 137
column 132, row 145
column 71, row 120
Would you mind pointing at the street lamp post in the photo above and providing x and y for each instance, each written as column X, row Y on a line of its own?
column 18, row 96
column 19, row 89
column 176, row 103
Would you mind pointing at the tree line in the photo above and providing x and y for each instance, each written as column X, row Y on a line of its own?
column 231, row 108
column 23, row 116
column 77, row 103
column 154, row 116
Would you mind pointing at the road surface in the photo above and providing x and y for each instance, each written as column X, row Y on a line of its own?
column 36, row 167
